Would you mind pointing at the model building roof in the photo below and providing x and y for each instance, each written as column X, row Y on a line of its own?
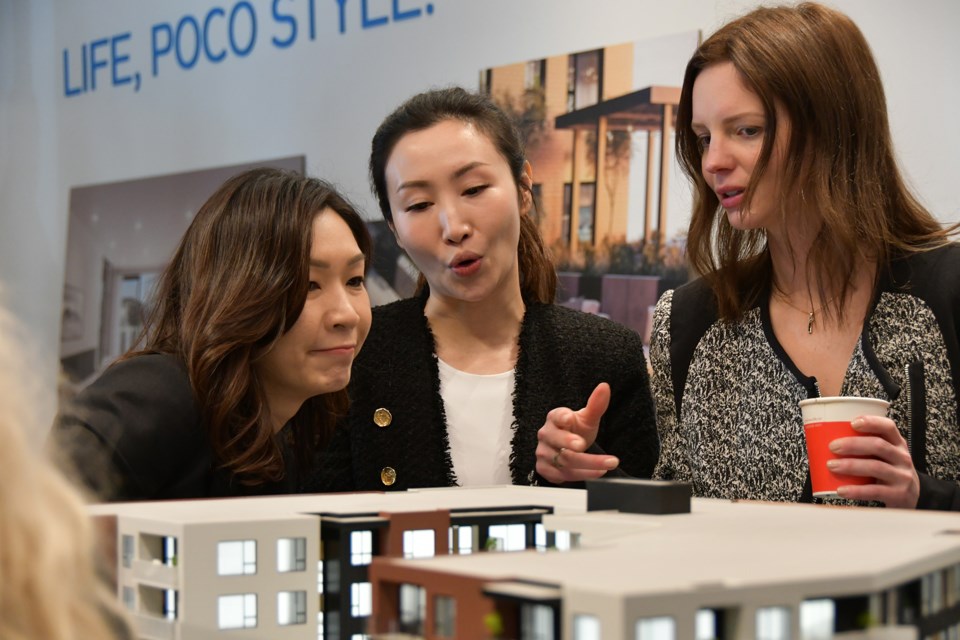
column 725, row 547
column 209, row 511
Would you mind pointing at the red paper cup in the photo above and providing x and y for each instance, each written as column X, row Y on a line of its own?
column 825, row 420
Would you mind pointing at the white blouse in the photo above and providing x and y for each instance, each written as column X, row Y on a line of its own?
column 479, row 411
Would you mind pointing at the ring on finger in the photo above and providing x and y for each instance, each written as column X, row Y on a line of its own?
column 556, row 458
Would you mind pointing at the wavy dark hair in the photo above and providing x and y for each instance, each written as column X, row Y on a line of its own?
column 237, row 283
column 538, row 275
column 815, row 65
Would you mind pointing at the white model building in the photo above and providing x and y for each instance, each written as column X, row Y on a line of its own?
column 404, row 565
column 253, row 568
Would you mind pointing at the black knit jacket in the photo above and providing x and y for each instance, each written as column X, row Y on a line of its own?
column 563, row 355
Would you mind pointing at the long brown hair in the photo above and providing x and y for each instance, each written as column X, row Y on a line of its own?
column 237, row 282
column 538, row 276
column 814, row 64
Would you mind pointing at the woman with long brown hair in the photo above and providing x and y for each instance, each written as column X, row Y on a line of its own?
column 239, row 375
column 457, row 380
column 822, row 275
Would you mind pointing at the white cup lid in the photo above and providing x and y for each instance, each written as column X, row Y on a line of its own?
column 841, row 408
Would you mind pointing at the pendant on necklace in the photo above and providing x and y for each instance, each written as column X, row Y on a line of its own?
column 810, row 320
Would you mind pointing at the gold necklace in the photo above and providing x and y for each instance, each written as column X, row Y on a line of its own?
column 811, row 315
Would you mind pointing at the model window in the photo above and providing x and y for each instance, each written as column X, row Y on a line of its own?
column 536, row 622
column 953, row 584
column 237, row 557
column 660, row 628
column 773, row 623
column 158, row 549
column 563, row 540
column 130, row 598
column 817, row 619
column 291, row 554
column 170, row 599
column 706, row 624
column 419, row 543
column 361, row 547
column 157, row 602
column 332, row 623
column 413, row 609
column 361, row 599
column 507, row 537
column 586, row 627
column 540, row 537
column 331, row 575
column 291, row 608
column 237, row 611
column 460, row 539
column 445, row 616
column 127, row 551
column 934, row 588
column 170, row 551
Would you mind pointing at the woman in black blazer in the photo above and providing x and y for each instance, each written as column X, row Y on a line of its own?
column 456, row 381
column 241, row 368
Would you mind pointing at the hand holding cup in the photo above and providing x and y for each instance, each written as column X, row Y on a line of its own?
column 861, row 454
column 828, row 419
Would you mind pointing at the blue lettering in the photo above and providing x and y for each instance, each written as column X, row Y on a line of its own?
column 312, row 20
column 288, row 19
column 67, row 89
column 403, row 15
column 212, row 57
column 96, row 63
column 119, row 59
column 83, row 59
column 369, row 23
column 188, row 62
column 109, row 52
column 192, row 38
column 253, row 28
column 157, row 51
column 343, row 15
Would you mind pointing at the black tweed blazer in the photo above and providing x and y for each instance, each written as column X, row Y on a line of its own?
column 563, row 355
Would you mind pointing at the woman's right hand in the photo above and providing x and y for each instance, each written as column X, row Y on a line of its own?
column 565, row 437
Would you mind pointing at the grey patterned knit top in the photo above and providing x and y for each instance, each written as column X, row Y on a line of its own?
column 727, row 393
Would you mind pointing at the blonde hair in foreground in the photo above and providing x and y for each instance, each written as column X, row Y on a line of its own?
column 49, row 585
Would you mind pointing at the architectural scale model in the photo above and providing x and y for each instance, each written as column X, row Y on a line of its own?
column 531, row 563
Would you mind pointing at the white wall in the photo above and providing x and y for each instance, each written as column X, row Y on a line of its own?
column 32, row 199
column 323, row 98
